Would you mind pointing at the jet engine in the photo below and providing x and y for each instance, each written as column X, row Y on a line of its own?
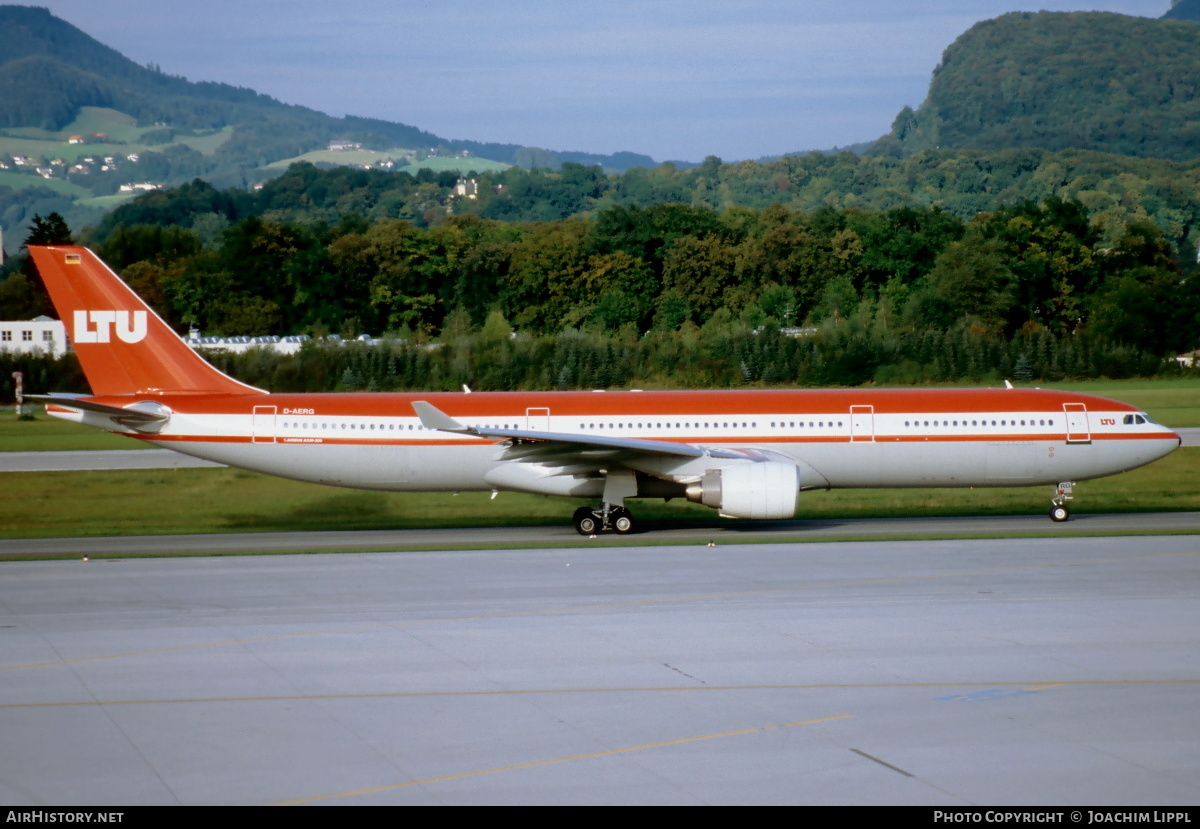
column 749, row 490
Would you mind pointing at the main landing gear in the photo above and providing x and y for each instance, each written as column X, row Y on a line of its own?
column 1058, row 506
column 603, row 519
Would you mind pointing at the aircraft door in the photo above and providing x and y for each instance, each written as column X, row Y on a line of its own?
column 862, row 424
column 262, row 429
column 537, row 420
column 1078, row 429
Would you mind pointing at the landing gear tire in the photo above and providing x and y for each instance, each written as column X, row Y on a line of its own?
column 1059, row 513
column 623, row 522
column 586, row 522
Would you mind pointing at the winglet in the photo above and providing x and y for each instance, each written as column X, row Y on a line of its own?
column 434, row 418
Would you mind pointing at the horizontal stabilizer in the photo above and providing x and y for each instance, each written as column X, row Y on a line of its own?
column 143, row 419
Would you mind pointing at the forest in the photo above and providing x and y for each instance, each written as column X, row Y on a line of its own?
column 1083, row 80
column 669, row 295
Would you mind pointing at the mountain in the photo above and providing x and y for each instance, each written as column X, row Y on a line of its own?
column 1056, row 81
column 1183, row 10
column 49, row 70
column 83, row 129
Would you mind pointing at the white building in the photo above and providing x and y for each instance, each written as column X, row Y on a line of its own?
column 240, row 345
column 466, row 187
column 134, row 187
column 39, row 335
column 1188, row 359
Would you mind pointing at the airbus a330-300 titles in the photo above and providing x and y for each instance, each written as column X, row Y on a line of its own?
column 746, row 454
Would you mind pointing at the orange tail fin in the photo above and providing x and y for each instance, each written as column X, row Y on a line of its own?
column 123, row 346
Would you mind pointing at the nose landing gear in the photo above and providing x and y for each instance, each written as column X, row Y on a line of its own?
column 1058, row 507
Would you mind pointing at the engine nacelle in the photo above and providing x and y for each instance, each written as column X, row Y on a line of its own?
column 749, row 490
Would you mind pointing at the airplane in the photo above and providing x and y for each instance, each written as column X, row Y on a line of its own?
column 747, row 454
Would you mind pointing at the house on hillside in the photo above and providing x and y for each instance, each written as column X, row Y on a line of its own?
column 466, row 187
column 141, row 186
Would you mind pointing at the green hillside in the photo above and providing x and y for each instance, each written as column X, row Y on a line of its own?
column 57, row 82
column 1078, row 80
column 401, row 158
column 1183, row 10
column 49, row 70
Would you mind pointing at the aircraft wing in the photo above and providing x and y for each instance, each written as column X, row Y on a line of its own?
column 547, row 447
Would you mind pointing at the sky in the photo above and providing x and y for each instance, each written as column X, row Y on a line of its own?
column 674, row 80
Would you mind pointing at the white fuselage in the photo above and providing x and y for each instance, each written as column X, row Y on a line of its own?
column 845, row 439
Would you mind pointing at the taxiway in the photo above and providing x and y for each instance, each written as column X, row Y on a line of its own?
column 1040, row 671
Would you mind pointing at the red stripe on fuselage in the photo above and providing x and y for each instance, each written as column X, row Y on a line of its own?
column 627, row 404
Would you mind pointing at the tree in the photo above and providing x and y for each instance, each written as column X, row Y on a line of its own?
column 971, row 279
column 51, row 230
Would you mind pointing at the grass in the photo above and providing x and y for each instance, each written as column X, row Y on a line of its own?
column 20, row 181
column 35, row 147
column 108, row 202
column 48, row 434
column 346, row 158
column 206, row 144
column 116, row 125
column 353, row 158
column 462, row 165
column 149, row 502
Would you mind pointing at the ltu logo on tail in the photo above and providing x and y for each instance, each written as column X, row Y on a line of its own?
column 104, row 321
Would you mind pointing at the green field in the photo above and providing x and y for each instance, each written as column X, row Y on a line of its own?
column 108, row 202
column 360, row 158
column 206, row 144
column 116, row 125
column 70, row 153
column 19, row 181
column 343, row 158
column 37, row 147
column 48, row 434
column 461, row 165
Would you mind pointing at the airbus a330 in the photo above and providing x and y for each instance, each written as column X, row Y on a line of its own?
column 747, row 454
